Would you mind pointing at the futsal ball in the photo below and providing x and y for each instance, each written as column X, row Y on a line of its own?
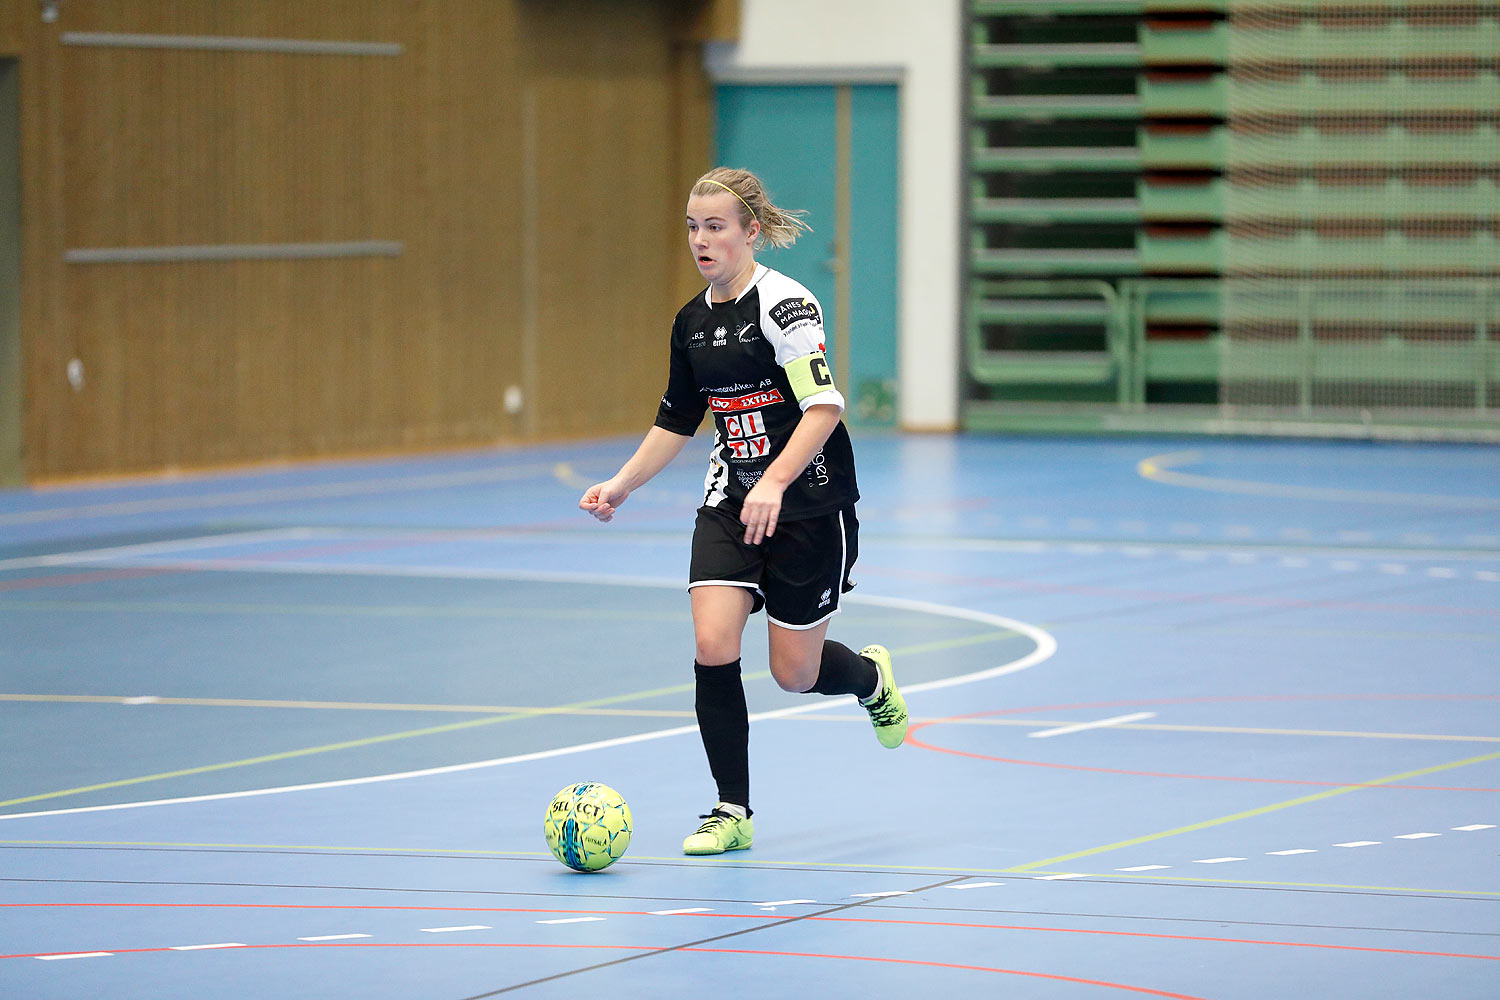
column 588, row 826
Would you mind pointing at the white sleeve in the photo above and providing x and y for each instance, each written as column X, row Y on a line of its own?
column 793, row 324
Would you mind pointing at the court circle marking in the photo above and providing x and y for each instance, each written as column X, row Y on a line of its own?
column 1044, row 647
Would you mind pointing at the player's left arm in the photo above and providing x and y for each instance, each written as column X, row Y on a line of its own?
column 762, row 504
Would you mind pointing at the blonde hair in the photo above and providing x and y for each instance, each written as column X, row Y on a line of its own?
column 779, row 227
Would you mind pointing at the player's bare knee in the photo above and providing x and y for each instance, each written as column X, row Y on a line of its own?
column 794, row 675
column 717, row 647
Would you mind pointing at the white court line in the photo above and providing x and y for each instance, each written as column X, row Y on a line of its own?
column 786, row 902
column 464, row 927
column 974, row 885
column 1358, row 843
column 1215, row 861
column 673, row 913
column 1046, row 646
column 1476, row 826
column 314, row 491
column 1416, row 836
column 107, row 555
column 207, row 947
column 1080, row 727
column 333, row 937
column 1143, row 868
column 1295, row 850
column 77, row 954
column 1058, row 878
column 569, row 920
column 881, row 895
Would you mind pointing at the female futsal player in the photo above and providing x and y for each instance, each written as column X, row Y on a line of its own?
column 777, row 526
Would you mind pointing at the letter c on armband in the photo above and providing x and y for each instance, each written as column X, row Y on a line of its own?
column 809, row 375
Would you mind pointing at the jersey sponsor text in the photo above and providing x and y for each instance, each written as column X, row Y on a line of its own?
column 790, row 312
column 750, row 401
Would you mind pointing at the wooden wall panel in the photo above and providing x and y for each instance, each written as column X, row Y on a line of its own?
column 193, row 363
column 11, row 27
column 602, row 89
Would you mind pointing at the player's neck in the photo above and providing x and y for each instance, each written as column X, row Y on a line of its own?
column 735, row 287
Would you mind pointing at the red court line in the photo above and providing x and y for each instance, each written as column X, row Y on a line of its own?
column 71, row 579
column 740, row 916
column 221, row 562
column 703, row 951
column 1172, row 596
column 911, row 740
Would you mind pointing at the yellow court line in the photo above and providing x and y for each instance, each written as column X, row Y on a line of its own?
column 266, row 758
column 362, row 706
column 1159, row 468
column 534, row 710
column 345, row 745
column 581, row 708
column 738, row 860
column 1249, row 813
column 509, row 716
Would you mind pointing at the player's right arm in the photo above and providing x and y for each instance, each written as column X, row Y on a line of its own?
column 656, row 451
column 681, row 411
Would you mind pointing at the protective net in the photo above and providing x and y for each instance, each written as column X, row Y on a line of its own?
column 1362, row 210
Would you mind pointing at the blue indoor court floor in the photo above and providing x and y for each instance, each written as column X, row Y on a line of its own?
column 1191, row 718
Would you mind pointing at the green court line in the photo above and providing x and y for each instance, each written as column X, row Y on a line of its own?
column 737, row 861
column 1249, row 813
column 968, row 640
column 433, row 730
column 1126, row 876
column 666, row 713
column 344, row 745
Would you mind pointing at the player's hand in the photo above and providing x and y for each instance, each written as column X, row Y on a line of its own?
column 760, row 510
column 603, row 499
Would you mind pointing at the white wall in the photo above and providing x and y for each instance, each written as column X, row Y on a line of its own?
column 916, row 42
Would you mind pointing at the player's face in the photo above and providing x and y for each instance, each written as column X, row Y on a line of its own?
column 721, row 247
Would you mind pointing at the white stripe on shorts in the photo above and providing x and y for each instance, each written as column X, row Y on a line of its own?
column 837, row 591
column 726, row 583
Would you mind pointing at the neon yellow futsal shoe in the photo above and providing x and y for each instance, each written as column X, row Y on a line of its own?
column 888, row 710
column 722, row 831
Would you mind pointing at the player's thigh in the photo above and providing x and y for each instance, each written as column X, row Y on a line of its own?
column 724, row 581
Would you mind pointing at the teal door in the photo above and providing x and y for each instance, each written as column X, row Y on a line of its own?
column 832, row 150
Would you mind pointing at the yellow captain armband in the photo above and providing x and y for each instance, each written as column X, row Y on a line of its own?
column 809, row 375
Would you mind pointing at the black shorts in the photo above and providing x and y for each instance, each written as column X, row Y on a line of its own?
column 797, row 575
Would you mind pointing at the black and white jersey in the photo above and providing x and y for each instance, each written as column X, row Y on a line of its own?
column 756, row 363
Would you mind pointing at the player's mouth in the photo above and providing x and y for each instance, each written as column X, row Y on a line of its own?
column 704, row 259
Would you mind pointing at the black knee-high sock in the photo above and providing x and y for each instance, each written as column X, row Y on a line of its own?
column 843, row 671
column 724, row 723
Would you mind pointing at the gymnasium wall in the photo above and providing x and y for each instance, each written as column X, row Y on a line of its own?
column 919, row 45
column 389, row 249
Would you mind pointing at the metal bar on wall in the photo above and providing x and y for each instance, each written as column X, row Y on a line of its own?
column 233, row 251
column 217, row 43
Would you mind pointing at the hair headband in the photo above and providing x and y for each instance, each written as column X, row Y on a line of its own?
column 726, row 187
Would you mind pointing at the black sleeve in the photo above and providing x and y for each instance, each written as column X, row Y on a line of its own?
column 682, row 405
